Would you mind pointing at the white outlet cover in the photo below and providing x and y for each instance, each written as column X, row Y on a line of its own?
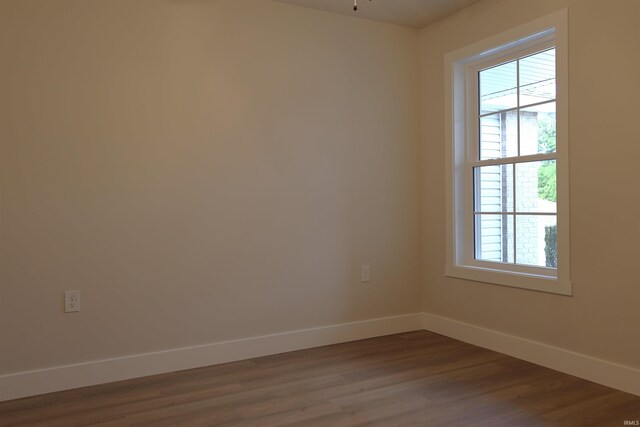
column 71, row 301
column 365, row 273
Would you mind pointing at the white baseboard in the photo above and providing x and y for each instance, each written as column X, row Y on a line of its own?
column 599, row 371
column 30, row 383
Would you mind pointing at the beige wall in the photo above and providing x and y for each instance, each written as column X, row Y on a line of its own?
column 200, row 171
column 210, row 170
column 601, row 319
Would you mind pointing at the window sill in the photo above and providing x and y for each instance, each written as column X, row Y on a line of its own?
column 506, row 278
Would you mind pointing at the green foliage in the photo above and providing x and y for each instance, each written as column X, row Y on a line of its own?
column 546, row 133
column 546, row 144
column 547, row 181
column 551, row 245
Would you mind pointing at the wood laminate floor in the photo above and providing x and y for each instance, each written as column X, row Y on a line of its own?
column 414, row 379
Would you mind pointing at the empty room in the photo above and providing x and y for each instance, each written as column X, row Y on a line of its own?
column 319, row 213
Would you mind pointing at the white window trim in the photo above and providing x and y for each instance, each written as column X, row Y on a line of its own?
column 460, row 262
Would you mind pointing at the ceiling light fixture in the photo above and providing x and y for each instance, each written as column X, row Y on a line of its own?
column 355, row 4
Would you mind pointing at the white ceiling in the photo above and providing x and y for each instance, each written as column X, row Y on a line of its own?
column 412, row 13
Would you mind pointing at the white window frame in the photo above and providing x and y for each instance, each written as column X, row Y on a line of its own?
column 550, row 30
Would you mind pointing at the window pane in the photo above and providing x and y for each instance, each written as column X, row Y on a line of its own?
column 494, row 188
column 499, row 135
column 538, row 129
column 494, row 238
column 536, row 186
column 538, row 77
column 536, row 240
column 498, row 88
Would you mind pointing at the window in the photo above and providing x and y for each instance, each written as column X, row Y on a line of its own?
column 507, row 180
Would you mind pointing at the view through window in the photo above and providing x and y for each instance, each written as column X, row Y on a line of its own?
column 514, row 175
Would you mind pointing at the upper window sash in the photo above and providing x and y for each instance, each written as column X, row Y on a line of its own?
column 472, row 71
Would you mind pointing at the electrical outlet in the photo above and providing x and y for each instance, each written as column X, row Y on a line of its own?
column 365, row 274
column 71, row 301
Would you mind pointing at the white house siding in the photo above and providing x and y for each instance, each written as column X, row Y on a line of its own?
column 490, row 238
